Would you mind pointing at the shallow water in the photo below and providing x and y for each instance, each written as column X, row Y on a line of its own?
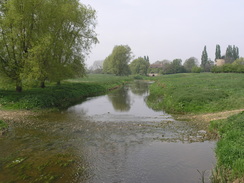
column 110, row 138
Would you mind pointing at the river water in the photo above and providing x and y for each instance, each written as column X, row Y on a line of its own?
column 114, row 138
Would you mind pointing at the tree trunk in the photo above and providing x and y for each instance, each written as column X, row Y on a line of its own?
column 42, row 85
column 18, row 87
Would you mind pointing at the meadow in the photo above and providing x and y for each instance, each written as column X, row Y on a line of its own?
column 197, row 93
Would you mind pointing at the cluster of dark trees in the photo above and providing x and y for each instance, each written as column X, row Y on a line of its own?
column 231, row 54
column 175, row 66
column 44, row 40
column 232, row 61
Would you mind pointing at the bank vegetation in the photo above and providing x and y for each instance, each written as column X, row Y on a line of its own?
column 198, row 95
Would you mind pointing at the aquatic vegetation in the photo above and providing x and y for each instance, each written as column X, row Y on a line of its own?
column 3, row 127
column 50, row 168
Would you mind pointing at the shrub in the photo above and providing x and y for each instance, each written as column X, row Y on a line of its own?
column 196, row 69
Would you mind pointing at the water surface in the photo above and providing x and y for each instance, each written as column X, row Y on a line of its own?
column 110, row 138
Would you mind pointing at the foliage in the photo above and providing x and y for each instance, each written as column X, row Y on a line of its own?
column 3, row 125
column 217, row 52
column 197, row 93
column 196, row 69
column 239, row 61
column 206, row 63
column 42, row 40
column 190, row 63
column 173, row 67
column 204, row 58
column 230, row 147
column 232, row 53
column 228, row 68
column 139, row 66
column 117, row 62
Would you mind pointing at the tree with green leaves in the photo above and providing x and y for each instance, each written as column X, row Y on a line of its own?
column 177, row 66
column 17, row 27
column 217, row 52
column 239, row 61
column 204, row 58
column 139, row 66
column 42, row 40
column 232, row 53
column 108, row 65
column 118, row 61
column 190, row 63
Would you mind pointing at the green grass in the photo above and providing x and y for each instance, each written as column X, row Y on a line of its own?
column 230, row 148
column 197, row 93
column 59, row 97
column 107, row 80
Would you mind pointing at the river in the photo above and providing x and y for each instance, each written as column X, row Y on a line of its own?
column 114, row 138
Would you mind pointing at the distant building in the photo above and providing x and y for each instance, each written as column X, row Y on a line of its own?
column 160, row 65
column 220, row 62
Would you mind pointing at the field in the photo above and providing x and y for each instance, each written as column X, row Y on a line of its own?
column 197, row 93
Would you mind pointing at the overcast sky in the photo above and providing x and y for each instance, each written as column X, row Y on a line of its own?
column 167, row 29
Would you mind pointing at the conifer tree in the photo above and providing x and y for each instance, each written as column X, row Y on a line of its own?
column 204, row 58
column 217, row 52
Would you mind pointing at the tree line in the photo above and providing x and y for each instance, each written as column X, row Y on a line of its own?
column 118, row 62
column 44, row 40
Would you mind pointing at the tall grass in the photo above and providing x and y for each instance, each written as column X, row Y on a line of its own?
column 197, row 93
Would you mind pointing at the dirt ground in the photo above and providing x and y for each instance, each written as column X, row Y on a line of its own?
column 209, row 116
column 15, row 115
column 19, row 115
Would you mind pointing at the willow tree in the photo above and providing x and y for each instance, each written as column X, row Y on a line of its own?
column 45, row 39
column 140, row 66
column 17, row 32
column 118, row 61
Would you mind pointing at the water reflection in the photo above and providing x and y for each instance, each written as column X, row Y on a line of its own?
column 120, row 99
column 139, row 88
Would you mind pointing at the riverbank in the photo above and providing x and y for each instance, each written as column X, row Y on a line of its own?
column 56, row 97
column 206, row 97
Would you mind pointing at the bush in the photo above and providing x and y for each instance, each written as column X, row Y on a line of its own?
column 228, row 68
column 196, row 69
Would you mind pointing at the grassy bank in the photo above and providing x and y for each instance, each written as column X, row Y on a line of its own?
column 230, row 149
column 197, row 93
column 59, row 96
